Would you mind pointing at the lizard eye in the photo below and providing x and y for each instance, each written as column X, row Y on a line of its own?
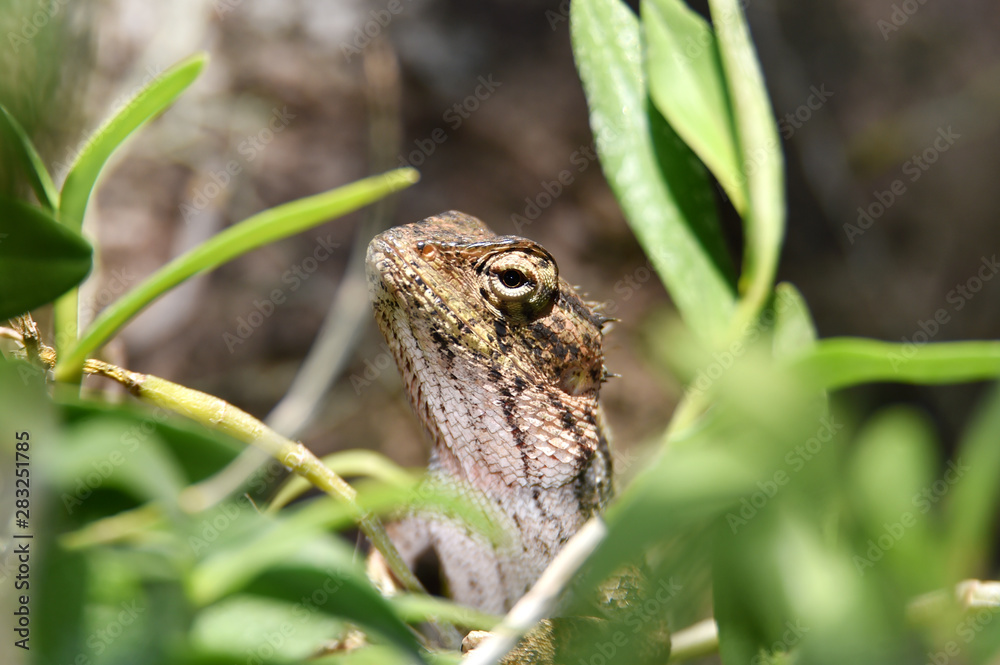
column 512, row 278
column 521, row 285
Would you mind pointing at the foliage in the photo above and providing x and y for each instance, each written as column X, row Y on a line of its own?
column 811, row 532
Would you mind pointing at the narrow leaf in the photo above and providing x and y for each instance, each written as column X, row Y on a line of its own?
column 34, row 168
column 39, row 258
column 839, row 362
column 672, row 213
column 688, row 85
column 759, row 154
column 972, row 508
column 263, row 228
column 150, row 101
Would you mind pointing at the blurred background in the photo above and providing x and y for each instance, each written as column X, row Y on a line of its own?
column 888, row 111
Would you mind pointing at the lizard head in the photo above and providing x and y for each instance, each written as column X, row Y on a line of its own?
column 449, row 287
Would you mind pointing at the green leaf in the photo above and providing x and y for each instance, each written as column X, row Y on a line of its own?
column 973, row 505
column 759, row 154
column 663, row 191
column 415, row 608
column 150, row 101
column 838, row 362
column 337, row 589
column 34, row 168
column 39, row 258
column 891, row 504
column 688, row 85
column 260, row 229
column 794, row 330
column 290, row 558
column 257, row 544
column 103, row 453
column 247, row 627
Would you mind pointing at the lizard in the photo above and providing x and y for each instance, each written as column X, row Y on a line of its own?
column 503, row 363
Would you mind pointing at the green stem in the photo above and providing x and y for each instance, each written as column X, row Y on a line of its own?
column 65, row 319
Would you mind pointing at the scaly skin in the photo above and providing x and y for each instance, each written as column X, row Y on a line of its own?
column 502, row 363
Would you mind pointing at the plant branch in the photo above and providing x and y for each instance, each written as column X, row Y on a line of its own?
column 217, row 414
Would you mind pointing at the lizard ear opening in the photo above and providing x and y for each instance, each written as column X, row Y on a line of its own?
column 519, row 284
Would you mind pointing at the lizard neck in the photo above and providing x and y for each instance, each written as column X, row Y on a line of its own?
column 499, row 433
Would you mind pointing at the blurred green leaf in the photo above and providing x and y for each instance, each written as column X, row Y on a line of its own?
column 338, row 589
column 291, row 558
column 838, row 362
column 31, row 163
column 972, row 507
column 688, row 85
column 258, row 543
column 150, row 101
column 415, row 608
column 382, row 655
column 261, row 229
column 794, row 330
column 58, row 603
column 663, row 191
column 760, row 157
column 198, row 451
column 893, row 507
column 101, row 454
column 39, row 258
column 246, row 627
column 681, row 491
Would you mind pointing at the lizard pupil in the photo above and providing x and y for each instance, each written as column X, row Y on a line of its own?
column 512, row 278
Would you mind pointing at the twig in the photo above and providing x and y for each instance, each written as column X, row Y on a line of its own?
column 539, row 601
column 695, row 641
